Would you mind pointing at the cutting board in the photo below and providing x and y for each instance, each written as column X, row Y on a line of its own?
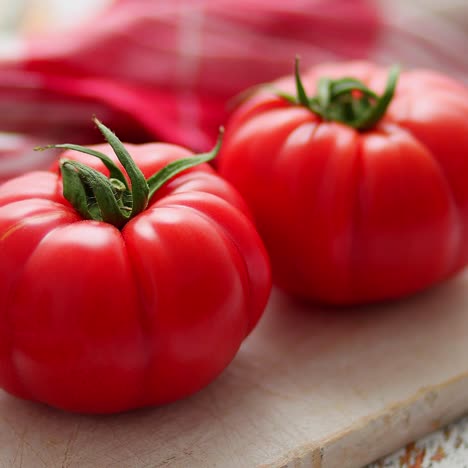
column 311, row 387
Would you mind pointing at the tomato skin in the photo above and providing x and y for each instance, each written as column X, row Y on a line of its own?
column 98, row 320
column 353, row 217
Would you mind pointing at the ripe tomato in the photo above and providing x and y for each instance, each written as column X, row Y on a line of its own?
column 98, row 318
column 359, row 196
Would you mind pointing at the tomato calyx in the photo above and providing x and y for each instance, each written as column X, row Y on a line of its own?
column 112, row 199
column 346, row 100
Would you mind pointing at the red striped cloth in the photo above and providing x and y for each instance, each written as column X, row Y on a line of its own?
column 166, row 70
column 154, row 69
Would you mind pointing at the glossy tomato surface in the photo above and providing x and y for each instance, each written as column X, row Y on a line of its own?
column 352, row 216
column 97, row 319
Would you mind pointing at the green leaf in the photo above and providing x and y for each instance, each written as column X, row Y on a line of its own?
column 348, row 85
column 101, row 188
column 172, row 169
column 98, row 197
column 337, row 100
column 377, row 112
column 316, row 108
column 140, row 189
column 114, row 170
column 301, row 93
column 324, row 92
column 73, row 189
column 286, row 96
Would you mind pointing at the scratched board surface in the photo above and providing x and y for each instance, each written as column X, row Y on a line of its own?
column 310, row 387
column 446, row 448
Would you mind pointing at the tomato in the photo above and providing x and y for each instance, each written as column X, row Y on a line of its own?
column 101, row 318
column 359, row 196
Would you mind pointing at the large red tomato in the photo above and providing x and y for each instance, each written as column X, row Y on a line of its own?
column 124, row 295
column 359, row 182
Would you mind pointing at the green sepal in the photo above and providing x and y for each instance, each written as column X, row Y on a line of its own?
column 140, row 189
column 114, row 170
column 324, row 92
column 95, row 196
column 100, row 187
column 374, row 114
column 301, row 93
column 74, row 190
column 336, row 99
column 348, row 85
column 172, row 169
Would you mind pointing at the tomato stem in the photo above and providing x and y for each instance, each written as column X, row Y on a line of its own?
column 345, row 100
column 112, row 199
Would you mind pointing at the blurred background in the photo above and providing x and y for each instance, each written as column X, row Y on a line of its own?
column 160, row 70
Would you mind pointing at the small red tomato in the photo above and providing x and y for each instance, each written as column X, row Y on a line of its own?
column 359, row 196
column 120, row 292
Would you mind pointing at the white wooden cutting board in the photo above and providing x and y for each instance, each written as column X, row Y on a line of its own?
column 317, row 388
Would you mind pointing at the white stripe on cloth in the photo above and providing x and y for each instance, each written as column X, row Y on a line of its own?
column 190, row 48
column 17, row 156
column 425, row 33
column 12, row 48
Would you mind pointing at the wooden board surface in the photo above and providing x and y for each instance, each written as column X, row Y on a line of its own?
column 317, row 388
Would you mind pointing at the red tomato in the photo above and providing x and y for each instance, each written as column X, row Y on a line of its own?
column 355, row 215
column 99, row 319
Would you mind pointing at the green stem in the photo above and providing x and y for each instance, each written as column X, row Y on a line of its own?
column 111, row 200
column 346, row 100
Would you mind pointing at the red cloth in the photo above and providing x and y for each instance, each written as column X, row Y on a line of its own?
column 166, row 70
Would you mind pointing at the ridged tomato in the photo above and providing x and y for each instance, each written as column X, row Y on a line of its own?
column 117, row 295
column 359, row 182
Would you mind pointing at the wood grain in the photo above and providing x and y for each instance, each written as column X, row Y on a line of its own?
column 311, row 387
